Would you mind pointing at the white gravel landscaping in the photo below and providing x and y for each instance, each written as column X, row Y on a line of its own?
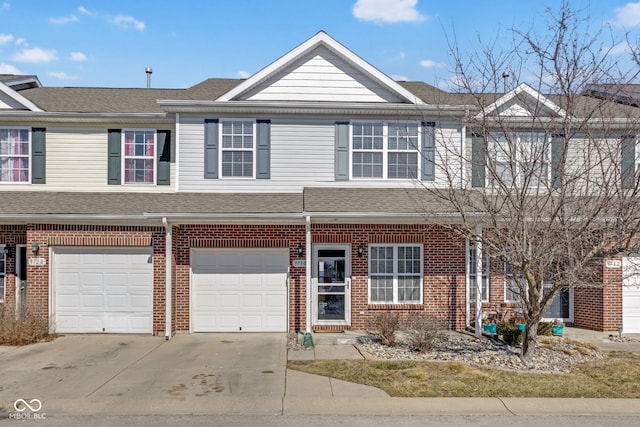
column 552, row 355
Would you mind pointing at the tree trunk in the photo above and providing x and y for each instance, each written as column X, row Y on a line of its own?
column 530, row 340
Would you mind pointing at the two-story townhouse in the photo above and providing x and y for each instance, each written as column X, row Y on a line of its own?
column 293, row 200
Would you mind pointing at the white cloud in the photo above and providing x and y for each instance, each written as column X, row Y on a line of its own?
column 128, row 21
column 9, row 69
column 387, row 11
column 78, row 56
column 402, row 55
column 20, row 41
column 61, row 75
column 35, row 55
column 64, row 20
column 85, row 11
column 628, row 15
column 399, row 78
column 6, row 6
column 428, row 63
column 620, row 48
column 5, row 38
column 243, row 74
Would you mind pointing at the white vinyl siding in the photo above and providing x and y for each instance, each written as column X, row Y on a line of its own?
column 76, row 160
column 302, row 155
column 321, row 76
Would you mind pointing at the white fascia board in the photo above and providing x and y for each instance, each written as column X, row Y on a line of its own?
column 320, row 39
column 523, row 87
column 309, row 107
column 64, row 117
column 19, row 98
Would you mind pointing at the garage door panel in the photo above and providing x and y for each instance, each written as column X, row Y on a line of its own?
column 631, row 295
column 239, row 290
column 103, row 290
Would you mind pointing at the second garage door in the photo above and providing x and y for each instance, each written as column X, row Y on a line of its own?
column 239, row 290
column 631, row 295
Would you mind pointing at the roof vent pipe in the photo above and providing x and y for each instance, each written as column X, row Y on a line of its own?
column 505, row 77
column 148, row 70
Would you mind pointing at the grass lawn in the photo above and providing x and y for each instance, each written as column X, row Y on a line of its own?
column 615, row 376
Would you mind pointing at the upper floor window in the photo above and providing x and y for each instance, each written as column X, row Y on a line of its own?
column 15, row 153
column 520, row 158
column 385, row 150
column 238, row 145
column 139, row 156
column 3, row 259
column 395, row 274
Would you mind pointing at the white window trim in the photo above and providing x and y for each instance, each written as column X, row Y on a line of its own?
column 385, row 151
column 516, row 136
column 28, row 156
column 471, row 283
column 395, row 274
column 124, row 157
column 506, row 281
column 222, row 149
column 3, row 273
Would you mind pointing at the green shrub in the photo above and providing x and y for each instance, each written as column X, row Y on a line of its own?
column 544, row 328
column 510, row 333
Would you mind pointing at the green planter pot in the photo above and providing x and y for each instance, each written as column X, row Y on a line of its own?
column 489, row 328
column 557, row 329
column 521, row 326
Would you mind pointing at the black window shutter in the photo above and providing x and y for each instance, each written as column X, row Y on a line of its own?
column 38, row 156
column 628, row 162
column 428, row 151
column 342, row 151
column 263, row 149
column 114, row 163
column 478, row 161
column 557, row 150
column 164, row 157
column 211, row 148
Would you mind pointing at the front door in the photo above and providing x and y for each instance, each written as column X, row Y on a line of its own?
column 332, row 283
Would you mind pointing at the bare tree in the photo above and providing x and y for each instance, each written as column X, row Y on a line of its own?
column 549, row 187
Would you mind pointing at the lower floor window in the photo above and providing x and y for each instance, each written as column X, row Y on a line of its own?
column 471, row 268
column 395, row 274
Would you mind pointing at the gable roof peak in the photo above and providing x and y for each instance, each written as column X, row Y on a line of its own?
column 321, row 38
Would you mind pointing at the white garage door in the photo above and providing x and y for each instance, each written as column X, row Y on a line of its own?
column 631, row 295
column 239, row 290
column 103, row 290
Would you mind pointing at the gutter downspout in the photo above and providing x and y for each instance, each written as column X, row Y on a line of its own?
column 478, row 281
column 308, row 274
column 167, row 267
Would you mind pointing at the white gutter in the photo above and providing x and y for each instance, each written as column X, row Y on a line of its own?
column 168, row 277
column 478, row 281
column 308, row 274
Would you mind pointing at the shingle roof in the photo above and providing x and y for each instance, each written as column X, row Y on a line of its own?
column 133, row 204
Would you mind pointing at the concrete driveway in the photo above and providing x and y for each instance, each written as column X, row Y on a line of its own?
column 92, row 373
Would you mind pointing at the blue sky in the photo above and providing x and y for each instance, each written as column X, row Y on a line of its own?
column 109, row 43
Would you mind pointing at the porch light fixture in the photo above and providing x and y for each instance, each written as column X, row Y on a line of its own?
column 360, row 250
column 300, row 250
column 6, row 251
column 35, row 248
